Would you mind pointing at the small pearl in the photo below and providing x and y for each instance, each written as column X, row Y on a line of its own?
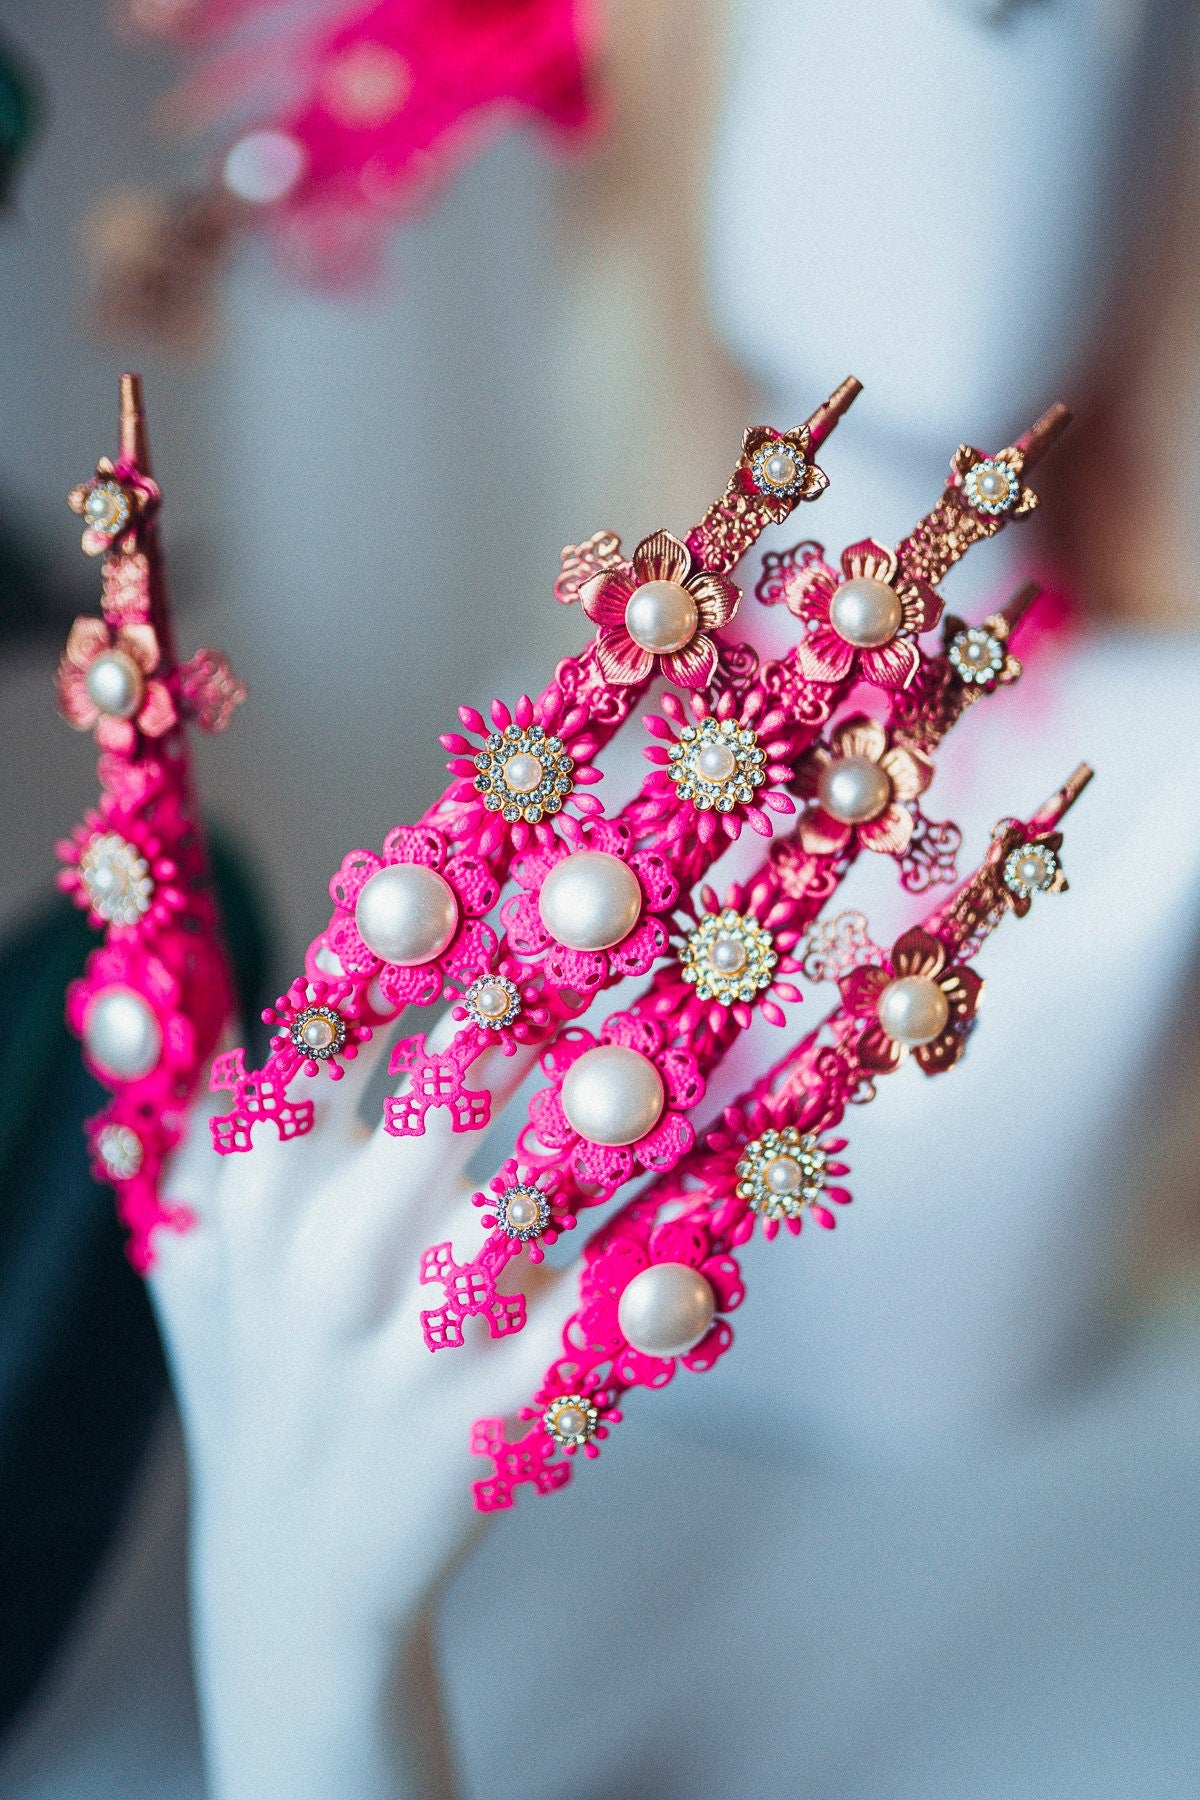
column 661, row 616
column 1031, row 870
column 492, row 1001
column 570, row 1421
column 913, row 1010
column 783, row 1175
column 866, row 612
column 522, row 1211
column 612, row 1095
column 992, row 484
column 854, row 789
column 318, row 1033
column 728, row 955
column 666, row 1309
column 523, row 773
column 716, row 762
column 115, row 685
column 406, row 914
column 590, row 900
column 264, row 167
column 106, row 508
column 122, row 1033
column 779, row 468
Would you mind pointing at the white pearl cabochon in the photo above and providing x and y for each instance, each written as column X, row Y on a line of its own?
column 406, row 914
column 590, row 900
column 122, row 1033
column 666, row 1309
column 613, row 1095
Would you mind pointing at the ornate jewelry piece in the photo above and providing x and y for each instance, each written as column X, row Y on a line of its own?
column 520, row 901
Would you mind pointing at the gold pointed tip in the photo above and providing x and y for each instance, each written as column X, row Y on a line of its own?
column 1044, row 432
column 830, row 411
column 134, row 447
column 1049, row 815
column 1019, row 603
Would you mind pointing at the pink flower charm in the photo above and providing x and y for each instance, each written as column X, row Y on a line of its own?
column 454, row 945
column 126, row 1007
column 765, row 1163
column 679, row 1087
column 623, row 1253
column 529, row 916
column 117, row 869
column 112, row 504
column 525, row 1208
column 861, row 786
column 916, row 1001
column 733, row 955
column 317, row 1024
column 209, row 691
column 728, row 761
column 863, row 621
column 657, row 606
column 105, row 681
column 526, row 769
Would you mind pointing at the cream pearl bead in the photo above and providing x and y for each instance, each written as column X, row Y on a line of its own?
column 1031, row 869
column 913, row 1010
column 661, row 616
column 318, row 1033
column 612, row 1095
column 780, row 468
column 570, row 1421
column 522, row 1211
column 666, row 1309
column 523, row 772
column 854, row 789
column 993, row 484
column 783, row 1175
column 716, row 762
column 590, row 900
column 406, row 914
column 122, row 1034
column 115, row 684
column 492, row 1001
column 866, row 612
column 728, row 955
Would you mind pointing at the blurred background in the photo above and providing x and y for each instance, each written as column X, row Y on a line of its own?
column 966, row 1562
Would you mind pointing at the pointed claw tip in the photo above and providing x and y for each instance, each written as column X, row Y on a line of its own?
column 133, row 424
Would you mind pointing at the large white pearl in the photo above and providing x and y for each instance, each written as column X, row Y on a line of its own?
column 716, row 762
column 612, row 1095
column 661, row 616
column 666, row 1309
column 865, row 612
column 854, row 789
column 523, row 772
column 122, row 1033
column 913, row 1010
column 115, row 685
column 590, row 901
column 406, row 913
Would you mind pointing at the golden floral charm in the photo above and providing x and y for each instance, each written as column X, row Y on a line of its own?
column 782, row 1172
column 778, row 465
column 658, row 607
column 1033, row 868
column 861, row 786
column 716, row 764
column 915, row 1002
column 991, row 485
column 523, row 774
column 728, row 957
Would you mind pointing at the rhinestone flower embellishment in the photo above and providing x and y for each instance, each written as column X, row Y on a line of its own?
column 715, row 764
column 118, row 1149
column 658, row 608
column 727, row 761
column 784, row 1171
column 1031, row 869
column 865, row 618
column 776, row 466
column 976, row 656
column 116, row 879
column 492, row 1002
column 316, row 1023
column 522, row 1206
column 728, row 957
column 525, row 771
column 571, row 1420
column 114, row 501
column 524, row 774
column 991, row 485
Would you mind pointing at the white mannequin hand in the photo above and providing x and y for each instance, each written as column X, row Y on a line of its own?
column 328, row 1448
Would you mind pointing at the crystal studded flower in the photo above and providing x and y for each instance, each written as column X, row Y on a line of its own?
column 783, row 1173
column 658, row 608
column 1027, row 863
column 728, row 957
column 571, row 1420
column 118, row 1148
column 426, row 928
column 316, row 1025
column 1031, row 869
column 525, row 1208
column 116, row 879
column 991, row 485
column 861, row 787
column 976, row 656
column 775, row 467
column 492, row 1002
column 106, row 682
column 506, row 1003
column 917, row 1001
column 111, row 504
column 863, row 619
column 727, row 759
column 528, row 768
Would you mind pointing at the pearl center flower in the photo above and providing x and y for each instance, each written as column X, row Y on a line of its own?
column 854, row 789
column 913, row 1010
column 866, row 612
column 115, row 685
column 661, row 616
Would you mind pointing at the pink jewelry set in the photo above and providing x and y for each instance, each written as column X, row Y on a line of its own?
column 518, row 899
